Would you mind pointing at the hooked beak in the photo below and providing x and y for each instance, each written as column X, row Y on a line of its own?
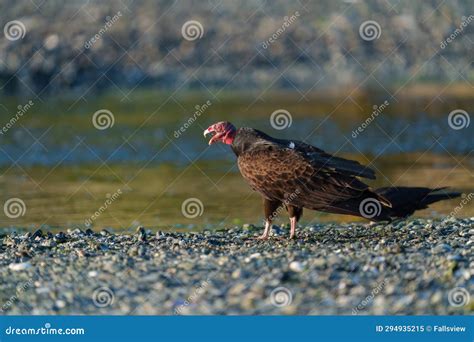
column 208, row 131
column 215, row 138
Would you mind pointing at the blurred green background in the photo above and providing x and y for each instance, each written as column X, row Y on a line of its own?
column 136, row 60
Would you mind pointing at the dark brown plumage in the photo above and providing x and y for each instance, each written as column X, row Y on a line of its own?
column 297, row 175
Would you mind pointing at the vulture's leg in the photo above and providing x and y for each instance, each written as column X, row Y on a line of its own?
column 295, row 215
column 271, row 211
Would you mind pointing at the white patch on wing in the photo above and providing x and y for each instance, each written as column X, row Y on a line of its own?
column 292, row 145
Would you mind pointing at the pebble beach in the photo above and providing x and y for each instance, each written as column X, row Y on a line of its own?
column 413, row 267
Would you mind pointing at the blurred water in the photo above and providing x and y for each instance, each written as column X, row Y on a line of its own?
column 64, row 168
column 69, row 146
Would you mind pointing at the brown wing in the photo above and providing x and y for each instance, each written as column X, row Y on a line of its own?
column 301, row 176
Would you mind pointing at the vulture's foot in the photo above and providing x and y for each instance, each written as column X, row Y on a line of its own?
column 263, row 237
column 293, row 222
column 266, row 232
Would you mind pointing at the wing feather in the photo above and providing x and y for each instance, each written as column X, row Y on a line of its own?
column 279, row 171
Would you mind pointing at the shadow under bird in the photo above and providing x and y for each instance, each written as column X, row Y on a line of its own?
column 296, row 175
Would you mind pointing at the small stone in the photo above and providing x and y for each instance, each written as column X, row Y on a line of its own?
column 319, row 262
column 102, row 247
column 37, row 233
column 60, row 304
column 141, row 251
column 442, row 248
column 133, row 251
column 141, row 234
column 236, row 274
column 410, row 276
column 60, row 237
column 43, row 290
column 77, row 231
column 296, row 266
column 48, row 243
column 20, row 266
column 455, row 257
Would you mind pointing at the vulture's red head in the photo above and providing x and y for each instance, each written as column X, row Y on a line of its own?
column 223, row 131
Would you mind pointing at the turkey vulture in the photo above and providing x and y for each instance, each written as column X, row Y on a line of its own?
column 296, row 175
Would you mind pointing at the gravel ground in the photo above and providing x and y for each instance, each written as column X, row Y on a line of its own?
column 412, row 267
